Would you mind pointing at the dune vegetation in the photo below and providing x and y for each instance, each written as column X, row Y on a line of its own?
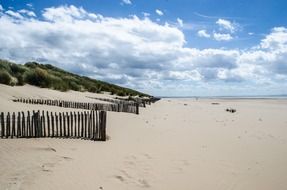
column 49, row 76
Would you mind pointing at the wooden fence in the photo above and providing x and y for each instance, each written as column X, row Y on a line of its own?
column 82, row 105
column 86, row 125
column 141, row 101
column 118, row 101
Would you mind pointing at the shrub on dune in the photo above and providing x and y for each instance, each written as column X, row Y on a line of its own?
column 5, row 77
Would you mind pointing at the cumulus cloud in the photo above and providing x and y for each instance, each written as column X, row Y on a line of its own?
column 139, row 53
column 276, row 40
column 226, row 29
column 270, row 58
column 203, row 34
column 222, row 37
column 146, row 14
column 27, row 12
column 159, row 12
column 29, row 5
column 14, row 14
column 67, row 14
column 1, row 8
column 180, row 22
column 226, row 25
column 128, row 2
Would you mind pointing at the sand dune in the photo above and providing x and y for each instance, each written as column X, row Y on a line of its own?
column 8, row 93
column 173, row 144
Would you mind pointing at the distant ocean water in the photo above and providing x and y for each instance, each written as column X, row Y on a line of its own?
column 229, row 97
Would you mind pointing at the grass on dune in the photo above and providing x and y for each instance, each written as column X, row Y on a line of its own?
column 48, row 76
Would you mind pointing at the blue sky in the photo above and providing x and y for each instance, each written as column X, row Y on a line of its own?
column 162, row 47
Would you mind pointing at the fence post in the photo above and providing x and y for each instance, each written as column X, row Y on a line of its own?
column 68, row 124
column 57, row 126
column 86, row 119
column 33, row 124
column 29, row 130
column 97, row 126
column 93, row 125
column 53, row 124
column 82, row 125
column 90, row 125
column 8, row 125
column 79, row 122
column 60, row 118
column 19, row 125
column 76, row 120
column 72, row 124
column 2, row 125
column 48, row 122
column 13, row 125
column 43, row 123
column 23, row 125
column 103, row 125
column 137, row 108
column 38, row 123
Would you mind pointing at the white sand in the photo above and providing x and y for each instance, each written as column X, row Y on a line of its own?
column 8, row 93
column 168, row 146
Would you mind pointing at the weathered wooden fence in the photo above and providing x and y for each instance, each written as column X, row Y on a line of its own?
column 118, row 101
column 82, row 105
column 141, row 101
column 131, row 101
column 86, row 125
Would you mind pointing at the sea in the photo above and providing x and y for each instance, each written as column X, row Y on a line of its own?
column 227, row 97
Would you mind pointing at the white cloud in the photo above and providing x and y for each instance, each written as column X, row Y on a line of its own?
column 276, row 40
column 193, row 75
column 146, row 14
column 226, row 25
column 250, row 33
column 65, row 13
column 14, row 14
column 180, row 22
column 222, row 37
column 27, row 12
column 29, row 5
column 203, row 33
column 128, row 2
column 140, row 53
column 159, row 12
column 1, row 8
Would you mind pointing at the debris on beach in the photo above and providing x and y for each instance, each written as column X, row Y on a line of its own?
column 231, row 110
column 215, row 103
column 185, row 104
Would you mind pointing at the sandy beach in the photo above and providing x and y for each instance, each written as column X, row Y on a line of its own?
column 172, row 144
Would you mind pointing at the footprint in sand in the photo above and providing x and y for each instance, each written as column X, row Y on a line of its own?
column 67, row 158
column 143, row 183
column 147, row 156
column 136, row 167
column 119, row 177
column 140, row 182
column 180, row 165
column 47, row 167
column 49, row 149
